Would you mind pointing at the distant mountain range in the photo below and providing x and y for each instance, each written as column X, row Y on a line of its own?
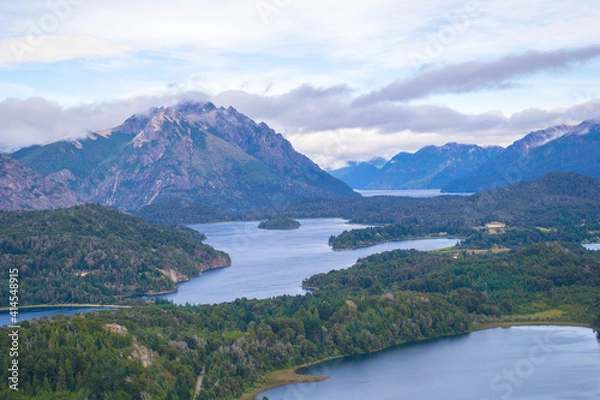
column 432, row 167
column 456, row 168
column 560, row 148
column 193, row 152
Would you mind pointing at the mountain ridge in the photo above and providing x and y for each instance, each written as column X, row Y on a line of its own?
column 194, row 152
column 560, row 148
column 431, row 167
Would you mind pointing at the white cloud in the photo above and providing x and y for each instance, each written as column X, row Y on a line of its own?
column 319, row 122
column 56, row 48
column 301, row 70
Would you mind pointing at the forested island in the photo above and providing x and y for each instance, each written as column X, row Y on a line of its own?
column 279, row 224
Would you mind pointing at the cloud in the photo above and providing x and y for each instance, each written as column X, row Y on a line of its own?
column 322, row 123
column 56, row 48
column 38, row 121
column 478, row 75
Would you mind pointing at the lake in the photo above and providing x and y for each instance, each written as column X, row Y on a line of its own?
column 592, row 246
column 519, row 363
column 31, row 313
column 269, row 263
column 408, row 193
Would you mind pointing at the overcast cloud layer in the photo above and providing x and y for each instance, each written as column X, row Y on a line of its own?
column 342, row 81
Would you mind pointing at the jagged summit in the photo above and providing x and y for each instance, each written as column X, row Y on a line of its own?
column 195, row 152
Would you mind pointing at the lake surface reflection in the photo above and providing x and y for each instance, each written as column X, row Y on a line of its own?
column 519, row 363
column 269, row 263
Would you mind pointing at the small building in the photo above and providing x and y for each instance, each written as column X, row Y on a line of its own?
column 495, row 225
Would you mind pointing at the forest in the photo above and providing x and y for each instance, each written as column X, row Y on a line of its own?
column 91, row 254
column 161, row 350
column 164, row 351
column 555, row 199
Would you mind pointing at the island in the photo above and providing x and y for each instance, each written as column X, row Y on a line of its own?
column 279, row 224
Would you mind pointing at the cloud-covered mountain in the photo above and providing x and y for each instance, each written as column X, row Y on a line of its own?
column 429, row 168
column 193, row 152
column 24, row 189
column 560, row 148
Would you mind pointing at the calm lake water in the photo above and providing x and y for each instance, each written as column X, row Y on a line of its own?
column 31, row 313
column 592, row 246
column 408, row 193
column 269, row 263
column 519, row 363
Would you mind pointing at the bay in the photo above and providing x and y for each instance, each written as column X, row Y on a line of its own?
column 269, row 263
column 519, row 363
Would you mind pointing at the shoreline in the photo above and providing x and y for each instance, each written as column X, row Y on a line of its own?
column 77, row 305
column 291, row 376
column 288, row 376
column 407, row 239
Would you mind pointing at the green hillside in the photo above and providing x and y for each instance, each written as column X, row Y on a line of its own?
column 91, row 254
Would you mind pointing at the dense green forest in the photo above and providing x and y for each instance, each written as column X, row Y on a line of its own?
column 555, row 207
column 472, row 238
column 379, row 234
column 557, row 198
column 536, row 278
column 91, row 254
column 279, row 223
column 384, row 299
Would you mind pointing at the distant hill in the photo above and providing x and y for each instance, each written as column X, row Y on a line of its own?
column 432, row 167
column 557, row 198
column 357, row 175
column 193, row 152
column 92, row 254
column 560, row 148
column 24, row 189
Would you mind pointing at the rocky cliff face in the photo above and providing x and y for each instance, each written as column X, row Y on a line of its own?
column 194, row 152
column 23, row 189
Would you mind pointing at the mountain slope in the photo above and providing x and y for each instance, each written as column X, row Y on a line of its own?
column 262, row 143
column 432, row 166
column 23, row 188
column 357, row 175
column 194, row 152
column 561, row 148
column 429, row 168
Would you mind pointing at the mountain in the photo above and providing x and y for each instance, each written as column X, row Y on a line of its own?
column 560, row 148
column 193, row 152
column 357, row 175
column 23, row 188
column 429, row 168
column 92, row 254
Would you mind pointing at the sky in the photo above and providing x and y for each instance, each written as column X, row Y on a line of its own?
column 343, row 81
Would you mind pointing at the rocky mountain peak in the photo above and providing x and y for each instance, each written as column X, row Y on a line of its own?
column 538, row 138
column 167, row 122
